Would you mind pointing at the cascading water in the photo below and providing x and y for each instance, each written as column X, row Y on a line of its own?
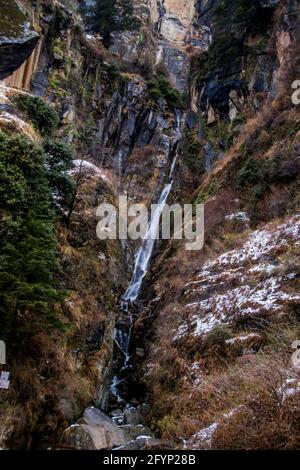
column 142, row 261
column 145, row 251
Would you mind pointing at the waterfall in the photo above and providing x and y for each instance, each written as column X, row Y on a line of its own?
column 142, row 260
column 145, row 251
column 121, row 337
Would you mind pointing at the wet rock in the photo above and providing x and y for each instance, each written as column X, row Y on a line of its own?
column 17, row 38
column 191, row 120
column 177, row 64
column 217, row 94
column 210, row 156
column 134, row 401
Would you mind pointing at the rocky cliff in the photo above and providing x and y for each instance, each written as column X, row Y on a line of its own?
column 201, row 93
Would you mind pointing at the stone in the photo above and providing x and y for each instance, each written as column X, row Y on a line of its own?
column 191, row 120
column 133, row 416
column 17, row 38
column 147, row 443
column 94, row 431
column 83, row 437
column 137, row 444
column 140, row 352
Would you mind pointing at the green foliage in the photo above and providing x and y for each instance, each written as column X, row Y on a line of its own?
column 115, row 79
column 113, row 15
column 233, row 22
column 58, row 159
column 217, row 337
column 249, row 173
column 28, row 254
column 160, row 87
column 242, row 16
column 203, row 196
column 44, row 118
column 191, row 148
column 222, row 52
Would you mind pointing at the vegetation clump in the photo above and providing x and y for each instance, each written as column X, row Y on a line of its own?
column 44, row 118
column 112, row 16
column 160, row 87
column 29, row 288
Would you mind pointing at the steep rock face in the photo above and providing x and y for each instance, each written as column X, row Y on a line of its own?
column 17, row 38
column 168, row 28
column 238, row 71
column 174, row 22
column 174, row 18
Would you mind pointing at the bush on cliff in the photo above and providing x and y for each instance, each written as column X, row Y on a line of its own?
column 44, row 118
column 160, row 87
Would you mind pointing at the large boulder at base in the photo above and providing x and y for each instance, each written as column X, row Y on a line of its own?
column 94, row 431
column 17, row 37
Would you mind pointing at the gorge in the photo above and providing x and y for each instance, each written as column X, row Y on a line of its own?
column 142, row 344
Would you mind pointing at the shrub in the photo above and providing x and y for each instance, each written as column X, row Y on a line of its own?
column 43, row 117
column 160, row 87
column 58, row 159
column 217, row 336
column 191, row 148
column 249, row 173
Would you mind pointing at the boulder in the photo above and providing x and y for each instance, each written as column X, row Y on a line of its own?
column 95, row 431
column 137, row 415
column 17, row 38
column 83, row 437
column 141, row 443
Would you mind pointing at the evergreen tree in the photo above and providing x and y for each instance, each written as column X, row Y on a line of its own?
column 113, row 15
column 28, row 246
column 58, row 160
column 104, row 19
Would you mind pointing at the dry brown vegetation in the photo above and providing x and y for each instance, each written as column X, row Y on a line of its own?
column 187, row 399
column 191, row 399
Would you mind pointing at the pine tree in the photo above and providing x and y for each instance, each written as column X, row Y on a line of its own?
column 59, row 159
column 104, row 19
column 113, row 15
column 28, row 246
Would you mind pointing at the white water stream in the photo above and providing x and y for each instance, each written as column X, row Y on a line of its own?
column 142, row 260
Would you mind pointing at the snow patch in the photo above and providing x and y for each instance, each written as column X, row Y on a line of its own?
column 239, row 216
column 88, row 167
